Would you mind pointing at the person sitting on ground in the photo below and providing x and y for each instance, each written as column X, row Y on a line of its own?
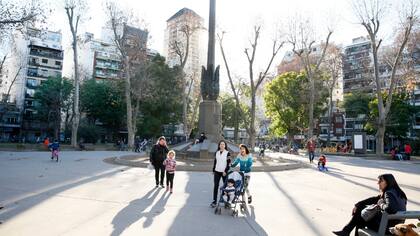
column 229, row 192
column 407, row 151
column 395, row 154
column 390, row 200
column 202, row 138
column 322, row 161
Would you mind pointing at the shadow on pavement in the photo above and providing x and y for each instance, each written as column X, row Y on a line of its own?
column 136, row 210
column 23, row 204
column 341, row 177
column 305, row 218
column 195, row 217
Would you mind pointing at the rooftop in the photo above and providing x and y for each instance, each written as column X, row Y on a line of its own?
column 182, row 12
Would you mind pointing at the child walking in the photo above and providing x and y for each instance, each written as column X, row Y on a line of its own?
column 170, row 166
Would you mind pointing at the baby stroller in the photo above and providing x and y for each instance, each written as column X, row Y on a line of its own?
column 239, row 179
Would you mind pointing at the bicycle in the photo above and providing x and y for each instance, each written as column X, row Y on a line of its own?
column 54, row 155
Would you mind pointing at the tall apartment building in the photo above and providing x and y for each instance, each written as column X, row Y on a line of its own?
column 357, row 66
column 173, row 33
column 39, row 56
column 99, row 59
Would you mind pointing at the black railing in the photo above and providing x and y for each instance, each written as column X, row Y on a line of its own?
column 47, row 54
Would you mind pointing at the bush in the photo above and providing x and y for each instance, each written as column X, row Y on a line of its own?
column 89, row 133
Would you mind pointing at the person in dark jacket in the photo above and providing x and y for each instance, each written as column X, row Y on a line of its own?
column 220, row 168
column 391, row 200
column 157, row 156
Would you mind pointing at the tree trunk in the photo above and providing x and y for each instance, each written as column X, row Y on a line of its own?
column 311, row 107
column 130, row 128
column 380, row 135
column 75, row 125
column 330, row 118
column 236, row 125
column 251, row 131
column 191, row 123
column 184, row 113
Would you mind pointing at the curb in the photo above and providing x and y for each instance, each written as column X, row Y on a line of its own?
column 207, row 166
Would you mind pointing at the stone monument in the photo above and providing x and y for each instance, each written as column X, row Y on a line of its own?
column 210, row 113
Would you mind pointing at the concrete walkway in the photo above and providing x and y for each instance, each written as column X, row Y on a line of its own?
column 82, row 195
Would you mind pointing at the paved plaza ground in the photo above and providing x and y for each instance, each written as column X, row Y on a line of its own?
column 82, row 195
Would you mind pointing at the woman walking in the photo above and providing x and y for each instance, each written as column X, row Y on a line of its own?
column 244, row 159
column 220, row 168
column 157, row 156
column 368, row 213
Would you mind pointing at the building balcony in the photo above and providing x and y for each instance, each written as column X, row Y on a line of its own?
column 107, row 67
column 37, row 64
column 106, row 56
column 58, row 56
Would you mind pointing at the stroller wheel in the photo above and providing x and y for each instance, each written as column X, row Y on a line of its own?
column 216, row 210
column 219, row 211
column 235, row 213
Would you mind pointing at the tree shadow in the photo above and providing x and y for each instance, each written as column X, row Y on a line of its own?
column 341, row 177
column 373, row 179
column 195, row 217
column 12, row 209
column 305, row 218
column 411, row 167
column 130, row 214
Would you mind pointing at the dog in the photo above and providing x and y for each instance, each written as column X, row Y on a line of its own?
column 404, row 230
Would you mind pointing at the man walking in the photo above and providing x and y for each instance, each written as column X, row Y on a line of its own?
column 157, row 156
column 311, row 150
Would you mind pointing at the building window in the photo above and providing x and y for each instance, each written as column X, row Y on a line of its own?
column 12, row 120
column 58, row 63
column 339, row 131
column 338, row 119
column 45, row 61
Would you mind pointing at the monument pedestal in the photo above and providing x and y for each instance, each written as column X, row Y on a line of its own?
column 210, row 120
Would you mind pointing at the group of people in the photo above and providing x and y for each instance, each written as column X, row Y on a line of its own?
column 366, row 213
column 396, row 154
column 164, row 163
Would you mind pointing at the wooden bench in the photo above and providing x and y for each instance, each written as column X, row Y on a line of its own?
column 401, row 215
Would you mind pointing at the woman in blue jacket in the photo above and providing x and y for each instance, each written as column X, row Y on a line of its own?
column 244, row 159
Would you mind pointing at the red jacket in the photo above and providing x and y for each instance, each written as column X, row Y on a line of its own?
column 311, row 146
column 407, row 149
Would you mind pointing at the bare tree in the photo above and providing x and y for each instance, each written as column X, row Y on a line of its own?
column 301, row 37
column 16, row 15
column 370, row 14
column 254, row 80
column 332, row 66
column 132, row 50
column 181, row 47
column 74, row 10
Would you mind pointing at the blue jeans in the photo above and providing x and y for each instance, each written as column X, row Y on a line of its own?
column 311, row 156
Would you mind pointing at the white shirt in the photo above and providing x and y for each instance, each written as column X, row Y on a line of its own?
column 221, row 161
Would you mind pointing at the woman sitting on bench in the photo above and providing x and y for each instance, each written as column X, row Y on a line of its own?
column 368, row 213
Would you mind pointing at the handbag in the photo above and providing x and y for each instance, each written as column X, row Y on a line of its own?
column 369, row 212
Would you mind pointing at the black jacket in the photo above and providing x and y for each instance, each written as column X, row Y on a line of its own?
column 390, row 202
column 158, row 154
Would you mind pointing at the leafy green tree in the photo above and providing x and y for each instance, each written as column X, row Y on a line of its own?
column 231, row 116
column 356, row 104
column 399, row 119
column 51, row 96
column 162, row 103
column 103, row 102
column 286, row 104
